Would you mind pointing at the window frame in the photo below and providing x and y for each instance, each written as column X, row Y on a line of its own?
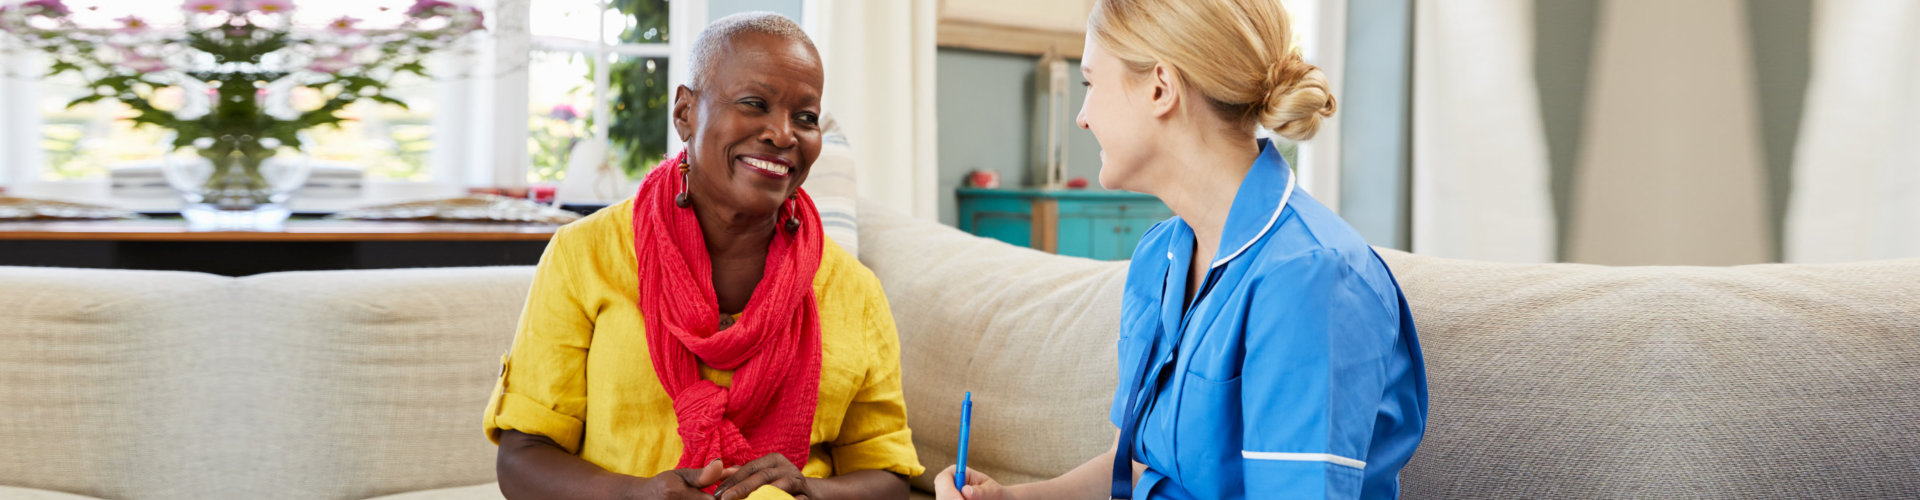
column 481, row 117
column 487, row 103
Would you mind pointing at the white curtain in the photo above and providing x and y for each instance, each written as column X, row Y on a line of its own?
column 1856, row 178
column 1480, row 170
column 20, row 156
column 879, row 59
column 7, row 117
column 1670, row 169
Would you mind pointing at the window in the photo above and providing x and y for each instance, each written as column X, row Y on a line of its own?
column 509, row 109
column 1319, row 28
column 567, row 98
column 87, row 141
column 571, row 42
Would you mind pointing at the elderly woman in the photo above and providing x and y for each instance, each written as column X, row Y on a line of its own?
column 704, row 339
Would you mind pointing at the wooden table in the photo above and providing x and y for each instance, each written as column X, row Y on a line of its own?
column 303, row 244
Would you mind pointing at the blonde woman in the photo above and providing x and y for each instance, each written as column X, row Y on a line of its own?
column 1265, row 350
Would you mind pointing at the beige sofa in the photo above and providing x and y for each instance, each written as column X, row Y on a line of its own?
column 1547, row 381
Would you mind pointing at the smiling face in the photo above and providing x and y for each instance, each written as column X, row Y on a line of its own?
column 753, row 131
column 1119, row 111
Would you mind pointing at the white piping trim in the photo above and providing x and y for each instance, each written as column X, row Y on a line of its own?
column 1303, row 457
column 1291, row 177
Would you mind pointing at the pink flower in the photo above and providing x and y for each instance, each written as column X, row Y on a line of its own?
column 206, row 6
column 476, row 20
column 267, row 6
column 132, row 24
column 334, row 63
column 146, row 65
column 343, row 25
column 49, row 8
column 133, row 60
column 563, row 112
column 427, row 8
column 328, row 66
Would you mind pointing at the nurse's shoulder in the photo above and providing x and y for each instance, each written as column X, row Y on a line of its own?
column 1312, row 235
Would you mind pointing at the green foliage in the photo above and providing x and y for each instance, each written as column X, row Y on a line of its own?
column 640, row 97
column 236, row 56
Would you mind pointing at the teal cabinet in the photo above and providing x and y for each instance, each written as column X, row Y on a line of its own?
column 1103, row 225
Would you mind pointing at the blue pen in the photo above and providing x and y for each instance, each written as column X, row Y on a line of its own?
column 966, row 422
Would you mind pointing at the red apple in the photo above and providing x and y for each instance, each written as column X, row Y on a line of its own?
column 984, row 179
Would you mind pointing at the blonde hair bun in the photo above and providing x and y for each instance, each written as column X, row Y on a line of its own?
column 1294, row 109
column 1237, row 53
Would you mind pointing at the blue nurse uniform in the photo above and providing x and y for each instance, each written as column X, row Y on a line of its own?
column 1294, row 373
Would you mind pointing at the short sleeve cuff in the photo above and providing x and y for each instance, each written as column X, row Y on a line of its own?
column 523, row 414
column 891, row 452
column 1303, row 478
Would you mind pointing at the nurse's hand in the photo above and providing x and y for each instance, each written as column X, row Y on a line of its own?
column 979, row 487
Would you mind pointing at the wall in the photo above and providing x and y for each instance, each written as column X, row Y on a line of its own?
column 722, row 8
column 985, row 103
column 1780, row 33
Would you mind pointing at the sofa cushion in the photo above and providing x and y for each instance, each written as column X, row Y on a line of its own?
column 1032, row 334
column 105, row 382
column 1575, row 381
column 489, row 491
column 12, row 493
column 369, row 383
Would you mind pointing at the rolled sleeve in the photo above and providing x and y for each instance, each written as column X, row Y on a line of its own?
column 1317, row 361
column 542, row 385
column 874, row 435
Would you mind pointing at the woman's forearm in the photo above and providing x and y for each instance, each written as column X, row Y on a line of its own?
column 533, row 467
column 1089, row 480
column 860, row 485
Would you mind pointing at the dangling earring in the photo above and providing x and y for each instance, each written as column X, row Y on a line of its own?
column 793, row 216
column 682, row 200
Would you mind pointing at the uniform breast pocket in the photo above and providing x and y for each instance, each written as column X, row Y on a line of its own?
column 1207, row 442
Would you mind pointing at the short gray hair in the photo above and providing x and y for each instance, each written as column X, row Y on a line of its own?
column 718, row 35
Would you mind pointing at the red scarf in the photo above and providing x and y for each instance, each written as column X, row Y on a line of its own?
column 774, row 351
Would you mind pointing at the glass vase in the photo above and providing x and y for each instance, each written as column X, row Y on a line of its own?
column 236, row 183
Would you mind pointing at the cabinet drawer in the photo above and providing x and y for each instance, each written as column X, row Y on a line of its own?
column 1106, row 208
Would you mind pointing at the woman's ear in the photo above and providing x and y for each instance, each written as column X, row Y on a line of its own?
column 1166, row 90
column 683, row 112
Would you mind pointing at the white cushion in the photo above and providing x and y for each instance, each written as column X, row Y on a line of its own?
column 12, row 493
column 107, row 381
column 372, row 382
column 833, row 186
column 489, row 491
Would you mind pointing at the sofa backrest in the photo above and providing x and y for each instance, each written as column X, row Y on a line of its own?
column 104, row 382
column 1546, row 380
column 376, row 380
column 1575, row 381
column 1031, row 334
column 318, row 385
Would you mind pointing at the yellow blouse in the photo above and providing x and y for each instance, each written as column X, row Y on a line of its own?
column 578, row 372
